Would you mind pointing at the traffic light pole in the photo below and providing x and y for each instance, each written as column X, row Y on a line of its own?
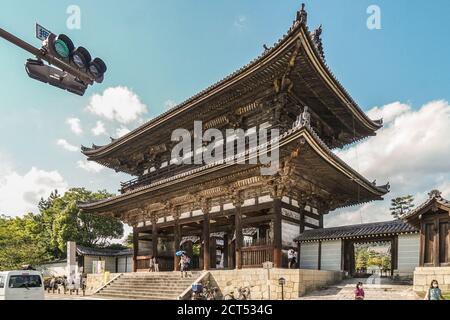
column 46, row 56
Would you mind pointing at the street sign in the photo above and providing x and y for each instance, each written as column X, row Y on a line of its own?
column 42, row 33
column 268, row 265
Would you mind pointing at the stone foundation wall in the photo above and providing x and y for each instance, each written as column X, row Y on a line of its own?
column 95, row 281
column 423, row 277
column 298, row 281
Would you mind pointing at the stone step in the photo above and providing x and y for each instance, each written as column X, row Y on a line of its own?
column 142, row 292
column 154, row 283
column 178, row 288
column 139, row 296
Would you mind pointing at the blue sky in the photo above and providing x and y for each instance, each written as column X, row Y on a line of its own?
column 166, row 51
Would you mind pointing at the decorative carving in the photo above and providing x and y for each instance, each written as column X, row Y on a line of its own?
column 435, row 194
column 317, row 39
column 302, row 15
column 236, row 196
column 205, row 205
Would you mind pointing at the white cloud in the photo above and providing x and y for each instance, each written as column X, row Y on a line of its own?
column 20, row 194
column 75, row 125
column 388, row 112
column 67, row 146
column 117, row 104
column 90, row 166
column 240, row 21
column 120, row 132
column 411, row 151
column 169, row 104
column 99, row 128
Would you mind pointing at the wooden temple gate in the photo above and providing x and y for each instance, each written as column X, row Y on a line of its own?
column 288, row 89
column 247, row 237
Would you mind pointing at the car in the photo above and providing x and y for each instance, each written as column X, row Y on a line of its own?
column 21, row 285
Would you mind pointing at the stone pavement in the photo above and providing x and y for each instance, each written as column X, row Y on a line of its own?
column 374, row 288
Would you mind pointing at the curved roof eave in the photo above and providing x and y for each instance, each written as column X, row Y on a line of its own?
column 293, row 134
column 297, row 31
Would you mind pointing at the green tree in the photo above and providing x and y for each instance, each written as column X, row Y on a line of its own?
column 72, row 224
column 401, row 206
column 34, row 239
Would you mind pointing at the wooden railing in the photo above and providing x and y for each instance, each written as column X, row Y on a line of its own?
column 254, row 257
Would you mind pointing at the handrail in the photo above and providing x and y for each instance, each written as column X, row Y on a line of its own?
column 185, row 293
column 106, row 284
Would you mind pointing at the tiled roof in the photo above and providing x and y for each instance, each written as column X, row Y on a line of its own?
column 85, row 251
column 434, row 195
column 360, row 230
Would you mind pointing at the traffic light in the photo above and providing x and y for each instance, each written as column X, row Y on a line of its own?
column 61, row 47
column 68, row 68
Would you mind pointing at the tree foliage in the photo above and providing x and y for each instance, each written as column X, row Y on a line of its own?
column 401, row 206
column 34, row 239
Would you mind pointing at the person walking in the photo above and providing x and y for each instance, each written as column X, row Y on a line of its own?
column 434, row 293
column 183, row 265
column 292, row 258
column 359, row 291
column 151, row 264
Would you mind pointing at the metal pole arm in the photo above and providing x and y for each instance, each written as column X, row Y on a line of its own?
column 44, row 55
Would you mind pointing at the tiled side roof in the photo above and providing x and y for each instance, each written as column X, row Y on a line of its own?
column 102, row 252
column 434, row 195
column 360, row 230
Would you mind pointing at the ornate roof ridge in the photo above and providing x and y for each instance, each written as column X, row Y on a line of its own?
column 433, row 196
column 297, row 26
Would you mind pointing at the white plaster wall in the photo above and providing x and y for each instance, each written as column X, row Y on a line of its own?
column 408, row 253
column 289, row 231
column 309, row 256
column 331, row 255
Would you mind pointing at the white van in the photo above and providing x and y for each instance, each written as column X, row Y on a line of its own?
column 21, row 285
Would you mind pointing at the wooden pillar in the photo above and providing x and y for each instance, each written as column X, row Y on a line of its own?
column 225, row 251
column 319, row 259
column 422, row 245
column 206, row 241
column 277, row 244
column 436, row 243
column 213, row 253
column 135, row 248
column 155, row 237
column 176, row 245
column 239, row 236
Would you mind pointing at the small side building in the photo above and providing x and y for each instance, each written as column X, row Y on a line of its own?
column 334, row 248
column 116, row 261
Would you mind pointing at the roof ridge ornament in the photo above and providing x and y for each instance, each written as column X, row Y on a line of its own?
column 302, row 16
column 435, row 194
column 316, row 36
column 303, row 119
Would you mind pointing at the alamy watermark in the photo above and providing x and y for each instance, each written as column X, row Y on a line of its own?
column 374, row 19
column 238, row 146
column 73, row 21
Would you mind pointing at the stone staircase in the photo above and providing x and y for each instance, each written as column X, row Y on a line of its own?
column 147, row 286
column 384, row 290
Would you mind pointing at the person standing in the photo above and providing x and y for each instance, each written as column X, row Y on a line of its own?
column 434, row 293
column 292, row 258
column 151, row 265
column 359, row 291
